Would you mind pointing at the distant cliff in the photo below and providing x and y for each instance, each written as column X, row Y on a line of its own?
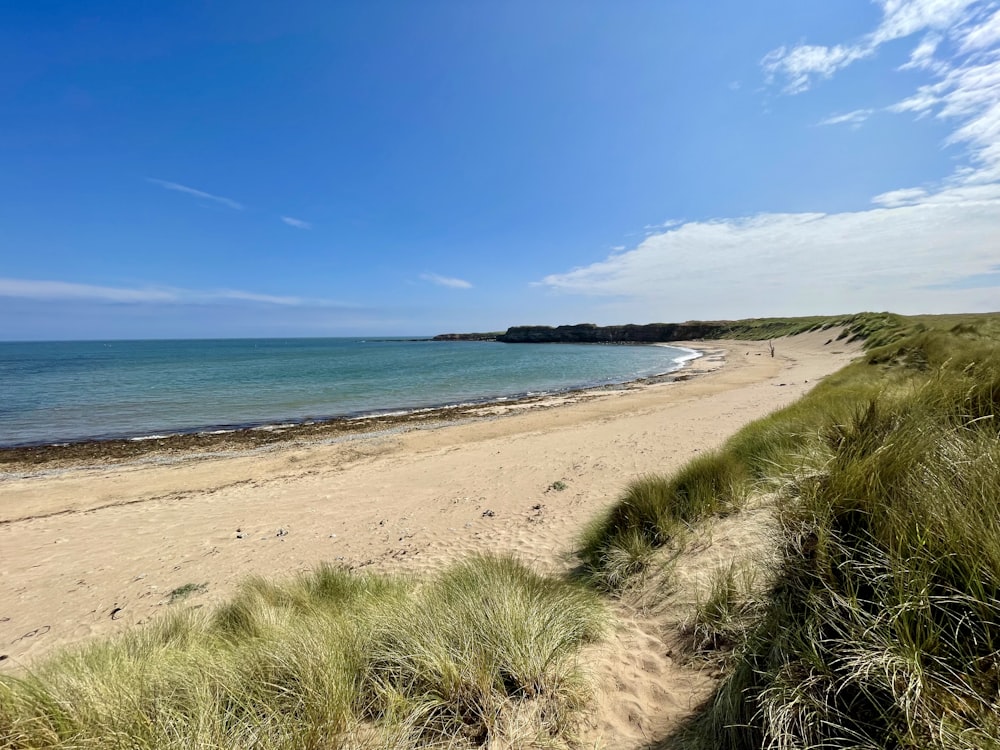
column 468, row 336
column 759, row 329
column 588, row 333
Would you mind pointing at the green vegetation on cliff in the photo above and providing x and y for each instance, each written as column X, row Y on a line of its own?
column 860, row 325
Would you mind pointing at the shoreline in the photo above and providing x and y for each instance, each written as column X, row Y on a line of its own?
column 212, row 440
column 94, row 547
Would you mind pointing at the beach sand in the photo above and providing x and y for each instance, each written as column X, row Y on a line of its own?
column 90, row 549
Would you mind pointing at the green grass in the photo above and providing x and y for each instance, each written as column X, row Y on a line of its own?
column 483, row 652
column 881, row 628
column 882, row 327
column 654, row 510
column 183, row 592
column 718, row 627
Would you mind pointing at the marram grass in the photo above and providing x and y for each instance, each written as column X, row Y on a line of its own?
column 654, row 510
column 881, row 626
column 483, row 652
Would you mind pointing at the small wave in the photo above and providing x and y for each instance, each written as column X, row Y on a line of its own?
column 691, row 354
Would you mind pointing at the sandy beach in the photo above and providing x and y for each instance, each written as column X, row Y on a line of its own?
column 89, row 549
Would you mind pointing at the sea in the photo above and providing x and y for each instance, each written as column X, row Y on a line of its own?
column 61, row 392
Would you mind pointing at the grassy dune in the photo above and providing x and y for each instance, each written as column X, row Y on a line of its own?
column 484, row 651
column 881, row 626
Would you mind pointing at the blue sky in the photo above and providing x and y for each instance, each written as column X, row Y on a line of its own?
column 201, row 169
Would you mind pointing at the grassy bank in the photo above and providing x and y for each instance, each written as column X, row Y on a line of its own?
column 881, row 326
column 881, row 625
column 483, row 652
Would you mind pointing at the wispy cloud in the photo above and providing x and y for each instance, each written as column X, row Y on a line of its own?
column 902, row 197
column 197, row 193
column 267, row 299
column 966, row 92
column 981, row 35
column 297, row 223
column 922, row 56
column 959, row 50
column 854, row 119
column 43, row 289
column 52, row 290
column 800, row 66
column 447, row 281
column 663, row 225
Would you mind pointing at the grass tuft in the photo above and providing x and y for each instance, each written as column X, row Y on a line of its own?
column 882, row 626
column 722, row 620
column 483, row 652
column 183, row 592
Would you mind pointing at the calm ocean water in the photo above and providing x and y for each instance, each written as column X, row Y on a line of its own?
column 64, row 391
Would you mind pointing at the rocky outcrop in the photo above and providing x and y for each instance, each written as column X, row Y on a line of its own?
column 468, row 336
column 588, row 333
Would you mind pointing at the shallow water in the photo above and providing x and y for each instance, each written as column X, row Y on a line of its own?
column 66, row 391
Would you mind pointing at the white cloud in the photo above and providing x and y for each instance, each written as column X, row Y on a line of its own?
column 268, row 299
column 964, row 87
column 802, row 64
column 197, row 193
column 297, row 223
column 902, row 18
column 903, row 197
column 968, row 93
column 52, row 290
column 805, row 263
column 981, row 35
column 664, row 225
column 47, row 290
column 922, row 57
column 447, row 281
column 799, row 65
column 854, row 119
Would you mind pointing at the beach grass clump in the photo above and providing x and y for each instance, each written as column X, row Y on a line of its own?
column 882, row 626
column 183, row 592
column 522, row 655
column 723, row 617
column 654, row 512
column 483, row 652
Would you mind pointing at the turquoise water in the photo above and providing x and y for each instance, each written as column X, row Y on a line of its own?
column 53, row 392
